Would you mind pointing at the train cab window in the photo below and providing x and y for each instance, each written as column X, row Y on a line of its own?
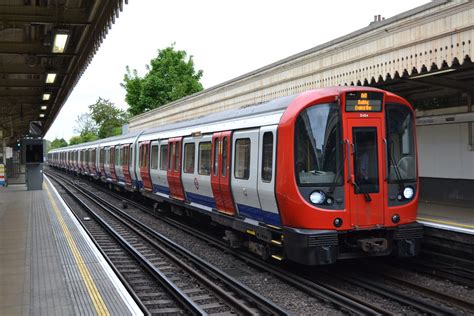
column 154, row 157
column 216, row 156
column 204, row 158
column 400, row 143
column 242, row 159
column 189, row 157
column 163, row 157
column 267, row 156
column 224, row 157
column 318, row 146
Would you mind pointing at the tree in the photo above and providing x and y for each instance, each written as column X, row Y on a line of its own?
column 170, row 77
column 108, row 118
column 85, row 124
column 58, row 143
column 79, row 139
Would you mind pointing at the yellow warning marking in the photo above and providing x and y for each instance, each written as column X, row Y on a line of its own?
column 445, row 222
column 94, row 294
column 274, row 227
column 250, row 232
column 276, row 242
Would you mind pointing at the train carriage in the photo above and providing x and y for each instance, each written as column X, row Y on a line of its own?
column 324, row 175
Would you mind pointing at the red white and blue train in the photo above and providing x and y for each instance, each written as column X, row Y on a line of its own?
column 313, row 178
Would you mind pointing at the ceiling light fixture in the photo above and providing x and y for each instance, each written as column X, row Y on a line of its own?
column 46, row 96
column 50, row 78
column 42, row 115
column 433, row 73
column 60, row 42
column 44, row 107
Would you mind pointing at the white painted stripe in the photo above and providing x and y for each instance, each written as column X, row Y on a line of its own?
column 129, row 301
column 448, row 227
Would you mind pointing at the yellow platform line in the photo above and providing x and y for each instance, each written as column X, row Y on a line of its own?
column 94, row 294
column 445, row 222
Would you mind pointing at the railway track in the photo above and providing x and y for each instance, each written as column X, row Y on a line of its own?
column 192, row 285
column 324, row 289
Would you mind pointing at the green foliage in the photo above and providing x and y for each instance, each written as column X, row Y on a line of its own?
column 58, row 143
column 108, row 118
column 170, row 77
column 85, row 124
column 79, row 139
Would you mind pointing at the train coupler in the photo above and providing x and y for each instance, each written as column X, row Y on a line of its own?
column 373, row 245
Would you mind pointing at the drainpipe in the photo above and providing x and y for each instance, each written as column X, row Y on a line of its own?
column 470, row 129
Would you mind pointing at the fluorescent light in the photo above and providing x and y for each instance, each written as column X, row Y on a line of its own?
column 41, row 115
column 50, row 78
column 59, row 44
column 433, row 73
column 44, row 107
column 46, row 96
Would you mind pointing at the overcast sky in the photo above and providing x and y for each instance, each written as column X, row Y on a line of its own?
column 226, row 38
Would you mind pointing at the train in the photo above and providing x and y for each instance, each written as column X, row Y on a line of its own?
column 313, row 178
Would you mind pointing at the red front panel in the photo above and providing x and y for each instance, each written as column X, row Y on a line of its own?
column 144, row 156
column 367, row 164
column 112, row 163
column 174, row 169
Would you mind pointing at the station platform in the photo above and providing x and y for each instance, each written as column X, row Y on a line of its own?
column 48, row 264
column 447, row 217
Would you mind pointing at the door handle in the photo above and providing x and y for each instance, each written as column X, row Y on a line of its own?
column 244, row 191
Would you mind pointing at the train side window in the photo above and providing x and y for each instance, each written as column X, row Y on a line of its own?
column 216, row 156
column 224, row 157
column 140, row 156
column 189, row 157
column 170, row 156
column 164, row 157
column 130, row 157
column 117, row 156
column 176, row 156
column 204, row 158
column 267, row 157
column 154, row 157
column 242, row 159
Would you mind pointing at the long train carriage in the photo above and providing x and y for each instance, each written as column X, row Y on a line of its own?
column 316, row 177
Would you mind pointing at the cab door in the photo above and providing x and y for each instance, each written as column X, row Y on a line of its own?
column 366, row 172
column 220, row 172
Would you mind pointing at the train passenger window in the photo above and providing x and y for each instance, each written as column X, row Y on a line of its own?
column 176, row 156
column 216, row 156
column 242, row 159
column 204, row 161
column 189, row 155
column 164, row 157
column 117, row 157
column 141, row 154
column 154, row 157
column 170, row 156
column 224, row 157
column 101, row 158
column 267, row 157
column 130, row 157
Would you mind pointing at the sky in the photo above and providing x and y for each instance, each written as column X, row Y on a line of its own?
column 226, row 39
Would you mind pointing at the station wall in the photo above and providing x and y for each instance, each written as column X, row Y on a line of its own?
column 446, row 165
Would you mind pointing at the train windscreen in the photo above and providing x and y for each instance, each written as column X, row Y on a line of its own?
column 318, row 145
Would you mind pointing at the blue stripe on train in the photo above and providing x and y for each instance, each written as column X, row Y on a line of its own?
column 201, row 199
column 259, row 214
column 161, row 189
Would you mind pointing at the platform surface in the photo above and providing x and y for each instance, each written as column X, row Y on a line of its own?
column 448, row 217
column 48, row 265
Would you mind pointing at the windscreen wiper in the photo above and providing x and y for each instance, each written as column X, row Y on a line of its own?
column 395, row 166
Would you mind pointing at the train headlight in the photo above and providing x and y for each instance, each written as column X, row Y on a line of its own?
column 317, row 197
column 395, row 218
column 337, row 222
column 408, row 193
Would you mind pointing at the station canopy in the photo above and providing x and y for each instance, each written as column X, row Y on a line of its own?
column 45, row 46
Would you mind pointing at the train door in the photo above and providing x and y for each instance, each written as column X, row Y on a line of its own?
column 144, row 153
column 112, row 163
column 366, row 169
column 118, row 164
column 174, row 168
column 244, row 173
column 266, row 175
column 160, row 178
column 220, row 172
column 126, row 164
column 154, row 156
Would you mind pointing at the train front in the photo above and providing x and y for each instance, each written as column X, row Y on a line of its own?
column 347, row 183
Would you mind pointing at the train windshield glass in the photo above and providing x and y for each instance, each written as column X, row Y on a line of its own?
column 400, row 143
column 318, row 146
